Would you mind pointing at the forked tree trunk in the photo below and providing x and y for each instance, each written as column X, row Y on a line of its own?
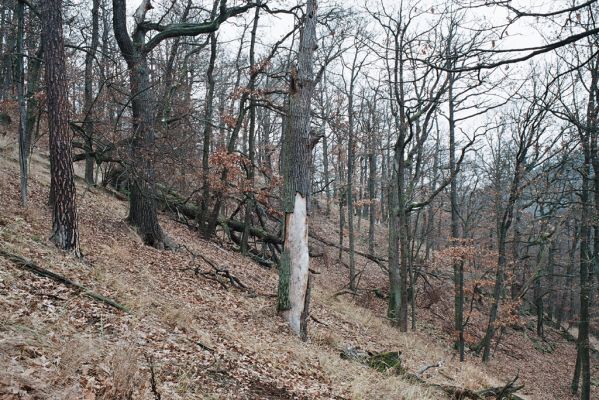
column 142, row 203
column 293, row 279
column 64, row 216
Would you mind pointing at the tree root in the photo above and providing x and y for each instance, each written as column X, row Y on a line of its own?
column 34, row 268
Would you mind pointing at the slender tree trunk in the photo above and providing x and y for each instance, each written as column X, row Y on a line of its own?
column 207, row 136
column 567, row 288
column 394, row 285
column 34, row 72
column 350, row 187
column 582, row 343
column 501, row 246
column 250, row 204
column 64, row 211
column 371, row 194
column 458, row 266
column 325, row 162
column 89, row 121
column 24, row 140
column 551, row 303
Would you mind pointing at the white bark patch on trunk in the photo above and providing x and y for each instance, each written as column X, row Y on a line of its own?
column 296, row 243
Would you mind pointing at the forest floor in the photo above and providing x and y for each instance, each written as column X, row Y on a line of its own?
column 190, row 336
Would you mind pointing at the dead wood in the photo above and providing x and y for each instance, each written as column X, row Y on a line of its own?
column 34, row 268
column 153, row 385
column 217, row 274
column 390, row 361
column 380, row 261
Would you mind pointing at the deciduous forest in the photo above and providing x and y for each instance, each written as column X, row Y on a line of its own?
column 285, row 199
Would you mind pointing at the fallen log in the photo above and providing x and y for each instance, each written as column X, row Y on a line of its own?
column 263, row 235
column 36, row 269
column 390, row 361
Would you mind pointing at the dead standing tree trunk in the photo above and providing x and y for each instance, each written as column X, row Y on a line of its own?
column 293, row 293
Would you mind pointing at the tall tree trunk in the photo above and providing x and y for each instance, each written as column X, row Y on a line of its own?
column 24, row 140
column 501, row 262
column 458, row 266
column 143, row 214
column 371, row 194
column 566, row 290
column 589, row 144
column 350, row 187
column 142, row 199
column 34, row 72
column 394, row 286
column 582, row 342
column 9, row 39
column 325, row 162
column 64, row 212
column 293, row 293
column 207, row 134
column 89, row 121
column 250, row 203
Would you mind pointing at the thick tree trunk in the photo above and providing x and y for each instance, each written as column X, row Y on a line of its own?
column 64, row 216
column 293, row 281
column 143, row 215
column 589, row 145
column 142, row 200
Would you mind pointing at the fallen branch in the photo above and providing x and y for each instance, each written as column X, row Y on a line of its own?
column 313, row 318
column 380, row 261
column 34, row 268
column 427, row 367
column 216, row 271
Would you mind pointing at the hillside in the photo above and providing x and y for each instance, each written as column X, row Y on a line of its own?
column 192, row 334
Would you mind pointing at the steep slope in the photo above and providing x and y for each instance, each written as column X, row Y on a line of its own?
column 190, row 333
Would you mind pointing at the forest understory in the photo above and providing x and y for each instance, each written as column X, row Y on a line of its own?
column 206, row 326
